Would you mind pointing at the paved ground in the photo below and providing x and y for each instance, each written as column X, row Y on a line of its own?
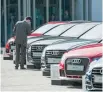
column 28, row 80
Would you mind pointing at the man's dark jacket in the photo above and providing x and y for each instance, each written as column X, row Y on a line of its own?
column 21, row 30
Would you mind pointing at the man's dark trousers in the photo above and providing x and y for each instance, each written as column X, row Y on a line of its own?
column 20, row 54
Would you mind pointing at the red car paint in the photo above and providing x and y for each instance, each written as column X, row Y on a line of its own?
column 7, row 46
column 90, row 51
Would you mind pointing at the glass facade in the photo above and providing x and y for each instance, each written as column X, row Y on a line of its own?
column 41, row 11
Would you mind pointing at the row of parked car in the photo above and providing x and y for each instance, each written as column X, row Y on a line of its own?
column 75, row 45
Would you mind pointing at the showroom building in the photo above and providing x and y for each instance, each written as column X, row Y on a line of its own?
column 42, row 11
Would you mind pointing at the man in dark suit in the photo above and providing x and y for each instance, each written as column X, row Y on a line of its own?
column 21, row 30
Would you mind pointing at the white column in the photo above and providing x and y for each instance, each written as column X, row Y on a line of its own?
column 24, row 8
column 47, row 10
column 28, row 5
column 29, row 9
column 0, row 25
column 34, row 15
column 0, row 22
column 60, row 10
column 5, row 20
column 73, row 9
column 19, row 10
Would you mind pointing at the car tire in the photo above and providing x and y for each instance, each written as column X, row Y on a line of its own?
column 38, row 66
column 59, row 82
column 44, row 73
column 30, row 66
column 8, row 58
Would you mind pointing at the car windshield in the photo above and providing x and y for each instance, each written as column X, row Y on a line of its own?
column 45, row 28
column 78, row 30
column 58, row 30
column 95, row 33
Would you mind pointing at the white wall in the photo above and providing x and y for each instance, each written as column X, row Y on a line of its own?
column 97, row 10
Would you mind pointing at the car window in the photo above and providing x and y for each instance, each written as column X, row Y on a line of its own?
column 95, row 33
column 79, row 29
column 45, row 28
column 60, row 29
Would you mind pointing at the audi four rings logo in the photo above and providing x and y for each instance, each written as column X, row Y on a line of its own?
column 39, row 48
column 77, row 61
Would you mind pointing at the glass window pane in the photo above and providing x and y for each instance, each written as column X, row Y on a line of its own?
column 40, row 11
column 60, row 29
column 95, row 33
column 45, row 28
column 66, row 10
column 12, row 15
column 53, row 10
column 78, row 29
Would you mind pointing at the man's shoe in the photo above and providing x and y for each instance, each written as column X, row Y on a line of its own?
column 16, row 67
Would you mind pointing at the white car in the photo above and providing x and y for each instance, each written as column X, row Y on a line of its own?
column 94, row 75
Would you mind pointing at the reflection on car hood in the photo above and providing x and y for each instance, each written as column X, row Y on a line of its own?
column 48, row 41
column 86, row 51
column 68, row 44
column 11, row 40
column 96, row 63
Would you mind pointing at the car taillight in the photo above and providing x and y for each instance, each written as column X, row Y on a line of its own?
column 61, row 66
column 7, row 46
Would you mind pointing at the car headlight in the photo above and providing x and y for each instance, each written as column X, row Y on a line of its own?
column 29, row 49
column 43, row 60
column 96, row 59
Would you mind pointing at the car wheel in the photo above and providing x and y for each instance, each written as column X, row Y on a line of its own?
column 30, row 67
column 59, row 82
column 44, row 73
column 37, row 66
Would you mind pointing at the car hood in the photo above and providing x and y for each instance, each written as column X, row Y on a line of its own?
column 33, row 39
column 68, row 44
column 12, row 39
column 96, row 63
column 48, row 41
column 90, row 52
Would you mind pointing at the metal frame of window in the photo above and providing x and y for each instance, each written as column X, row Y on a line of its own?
column 5, row 20
column 47, row 10
column 73, row 9
column 34, row 16
column 60, row 10
column 89, row 10
column 19, row 10
column 24, row 8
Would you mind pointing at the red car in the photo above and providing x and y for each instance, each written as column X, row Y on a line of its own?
column 38, row 32
column 74, row 63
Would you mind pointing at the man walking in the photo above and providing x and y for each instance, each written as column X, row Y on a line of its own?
column 21, row 30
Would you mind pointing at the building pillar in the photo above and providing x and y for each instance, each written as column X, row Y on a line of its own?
column 34, row 15
column 24, row 8
column 28, row 7
column 0, row 22
column 73, row 9
column 47, row 10
column 60, row 10
column 5, row 20
column 19, row 10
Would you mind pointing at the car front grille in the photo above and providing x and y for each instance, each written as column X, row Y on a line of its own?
column 97, row 72
column 76, row 66
column 36, row 52
column 54, row 55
